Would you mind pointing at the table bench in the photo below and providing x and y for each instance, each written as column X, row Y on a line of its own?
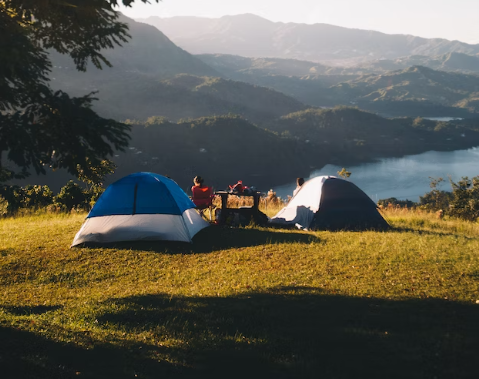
column 248, row 212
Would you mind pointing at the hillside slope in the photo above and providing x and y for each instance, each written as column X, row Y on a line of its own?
column 148, row 78
column 221, row 149
column 455, row 62
column 148, row 51
column 131, row 95
column 415, row 84
column 409, row 91
column 349, row 134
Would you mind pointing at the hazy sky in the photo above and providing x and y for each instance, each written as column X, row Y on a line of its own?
column 451, row 19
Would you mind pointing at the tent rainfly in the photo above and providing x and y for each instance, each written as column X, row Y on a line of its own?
column 327, row 202
column 141, row 206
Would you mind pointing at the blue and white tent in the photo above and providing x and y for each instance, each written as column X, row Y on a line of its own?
column 141, row 206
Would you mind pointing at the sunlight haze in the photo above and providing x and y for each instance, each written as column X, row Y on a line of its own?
column 426, row 18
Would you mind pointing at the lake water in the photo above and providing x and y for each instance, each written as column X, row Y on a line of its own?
column 404, row 178
column 446, row 119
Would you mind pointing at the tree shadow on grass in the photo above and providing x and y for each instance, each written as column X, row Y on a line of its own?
column 216, row 238
column 294, row 332
column 401, row 229
column 27, row 311
column 27, row 355
column 304, row 333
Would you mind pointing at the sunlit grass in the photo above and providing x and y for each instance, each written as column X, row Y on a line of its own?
column 400, row 303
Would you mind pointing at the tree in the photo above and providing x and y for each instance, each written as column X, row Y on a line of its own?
column 436, row 199
column 40, row 128
column 465, row 202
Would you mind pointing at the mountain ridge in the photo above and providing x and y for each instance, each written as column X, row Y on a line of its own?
column 238, row 35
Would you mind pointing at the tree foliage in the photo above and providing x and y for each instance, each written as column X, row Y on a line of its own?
column 462, row 202
column 40, row 128
column 465, row 202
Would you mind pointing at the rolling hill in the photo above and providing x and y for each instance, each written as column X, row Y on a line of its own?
column 235, row 65
column 454, row 62
column 148, row 52
column 130, row 95
column 349, row 134
column 222, row 149
column 152, row 76
column 415, row 85
column 410, row 91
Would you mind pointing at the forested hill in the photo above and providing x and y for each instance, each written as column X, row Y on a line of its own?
column 455, row 62
column 221, row 149
column 349, row 134
column 225, row 149
column 235, row 65
column 252, row 36
column 232, row 65
column 228, row 148
column 131, row 95
column 412, row 91
column 415, row 84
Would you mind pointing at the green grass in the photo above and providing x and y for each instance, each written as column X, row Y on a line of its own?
column 241, row 302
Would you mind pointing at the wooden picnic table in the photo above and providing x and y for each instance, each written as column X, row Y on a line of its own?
column 225, row 211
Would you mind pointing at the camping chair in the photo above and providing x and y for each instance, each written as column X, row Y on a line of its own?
column 203, row 199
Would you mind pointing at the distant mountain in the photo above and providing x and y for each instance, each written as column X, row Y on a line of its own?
column 135, row 96
column 410, row 91
column 148, row 52
column 306, row 81
column 152, row 76
column 252, row 36
column 235, row 64
column 455, row 62
column 413, row 85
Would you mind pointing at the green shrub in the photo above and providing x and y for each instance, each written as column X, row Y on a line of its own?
column 465, row 202
column 72, row 196
column 462, row 202
column 436, row 199
column 37, row 196
column 397, row 203
column 93, row 194
column 14, row 197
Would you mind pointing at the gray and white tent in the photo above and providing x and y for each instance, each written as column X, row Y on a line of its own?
column 327, row 202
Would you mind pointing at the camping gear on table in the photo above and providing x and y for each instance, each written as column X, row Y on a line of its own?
column 141, row 206
column 327, row 202
column 237, row 188
column 240, row 188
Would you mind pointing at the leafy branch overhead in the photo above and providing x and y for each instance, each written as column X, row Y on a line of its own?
column 39, row 127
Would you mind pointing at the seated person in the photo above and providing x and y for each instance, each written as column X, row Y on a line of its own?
column 299, row 183
column 202, row 195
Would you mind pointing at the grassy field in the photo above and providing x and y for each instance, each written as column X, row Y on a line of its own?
column 250, row 302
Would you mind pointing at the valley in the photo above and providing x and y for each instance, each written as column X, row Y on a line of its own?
column 263, row 119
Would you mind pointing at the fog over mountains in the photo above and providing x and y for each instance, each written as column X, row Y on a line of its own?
column 252, row 36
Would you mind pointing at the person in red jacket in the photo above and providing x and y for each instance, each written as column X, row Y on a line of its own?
column 202, row 195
